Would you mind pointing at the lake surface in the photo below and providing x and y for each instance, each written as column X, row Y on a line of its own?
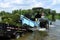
column 52, row 34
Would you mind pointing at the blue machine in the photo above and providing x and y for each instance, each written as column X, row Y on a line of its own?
column 29, row 22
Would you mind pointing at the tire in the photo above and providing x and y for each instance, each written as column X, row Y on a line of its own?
column 17, row 36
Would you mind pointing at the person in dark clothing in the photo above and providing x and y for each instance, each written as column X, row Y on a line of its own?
column 38, row 15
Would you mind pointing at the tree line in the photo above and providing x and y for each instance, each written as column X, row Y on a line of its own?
column 14, row 17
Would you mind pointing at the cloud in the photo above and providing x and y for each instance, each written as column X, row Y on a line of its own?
column 55, row 2
column 16, row 1
column 38, row 4
column 20, row 4
column 4, row 5
column 27, row 4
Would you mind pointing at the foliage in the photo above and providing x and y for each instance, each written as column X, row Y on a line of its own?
column 14, row 17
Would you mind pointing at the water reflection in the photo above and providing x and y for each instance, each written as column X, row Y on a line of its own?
column 57, row 22
column 40, row 35
column 43, row 35
column 52, row 34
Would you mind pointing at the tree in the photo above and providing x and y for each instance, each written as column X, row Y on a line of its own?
column 53, row 15
column 47, row 12
column 37, row 9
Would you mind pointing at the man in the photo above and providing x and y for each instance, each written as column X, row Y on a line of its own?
column 37, row 16
column 40, row 15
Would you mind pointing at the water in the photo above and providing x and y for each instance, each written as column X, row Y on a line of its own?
column 52, row 34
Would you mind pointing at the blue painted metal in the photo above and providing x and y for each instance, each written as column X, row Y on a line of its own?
column 29, row 22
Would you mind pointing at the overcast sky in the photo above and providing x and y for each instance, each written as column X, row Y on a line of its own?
column 9, row 5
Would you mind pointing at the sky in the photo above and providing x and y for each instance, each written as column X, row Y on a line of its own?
column 9, row 5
